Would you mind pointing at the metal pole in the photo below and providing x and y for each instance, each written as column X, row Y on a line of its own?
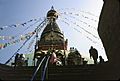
column 64, row 49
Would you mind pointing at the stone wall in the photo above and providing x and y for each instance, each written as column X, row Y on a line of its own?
column 109, row 30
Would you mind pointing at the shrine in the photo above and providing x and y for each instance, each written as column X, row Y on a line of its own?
column 51, row 38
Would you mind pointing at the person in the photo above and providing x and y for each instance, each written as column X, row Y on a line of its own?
column 21, row 60
column 16, row 59
column 94, row 54
column 26, row 61
column 53, row 58
column 101, row 59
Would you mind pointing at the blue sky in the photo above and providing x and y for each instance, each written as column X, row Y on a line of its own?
column 20, row 11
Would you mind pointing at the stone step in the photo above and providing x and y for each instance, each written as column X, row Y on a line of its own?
column 70, row 76
column 72, row 69
column 54, row 72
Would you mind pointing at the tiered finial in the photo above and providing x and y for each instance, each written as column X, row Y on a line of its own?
column 52, row 14
column 52, row 8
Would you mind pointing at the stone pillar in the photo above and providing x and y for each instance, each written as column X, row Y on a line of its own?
column 109, row 30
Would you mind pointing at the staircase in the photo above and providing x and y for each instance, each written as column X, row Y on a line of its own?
column 86, row 72
column 81, row 72
column 24, row 73
column 53, row 73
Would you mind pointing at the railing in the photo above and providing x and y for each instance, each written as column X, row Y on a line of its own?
column 37, row 69
column 45, row 69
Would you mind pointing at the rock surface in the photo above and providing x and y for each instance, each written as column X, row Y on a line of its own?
column 109, row 29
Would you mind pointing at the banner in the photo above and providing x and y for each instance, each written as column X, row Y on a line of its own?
column 19, row 24
column 82, row 32
column 22, row 38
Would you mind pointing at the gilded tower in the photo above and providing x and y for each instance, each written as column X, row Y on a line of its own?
column 52, row 37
